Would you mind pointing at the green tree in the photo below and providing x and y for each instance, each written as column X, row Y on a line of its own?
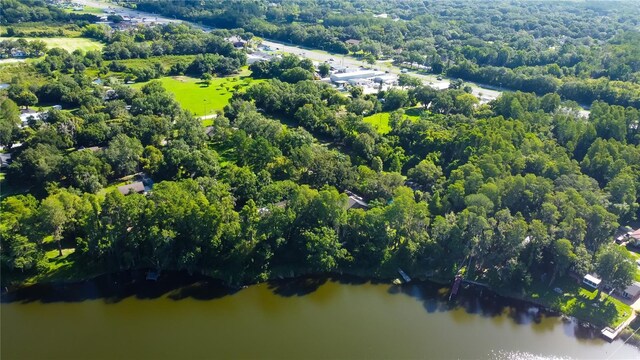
column 123, row 154
column 426, row 174
column 324, row 252
column 563, row 257
column 206, row 78
column 295, row 75
column 324, row 69
column 615, row 267
column 395, row 99
column 9, row 122
column 52, row 217
column 409, row 81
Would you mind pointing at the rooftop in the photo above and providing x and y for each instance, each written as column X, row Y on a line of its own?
column 592, row 279
column 633, row 289
column 136, row 187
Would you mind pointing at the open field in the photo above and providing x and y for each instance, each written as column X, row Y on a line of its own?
column 167, row 61
column 69, row 44
column 88, row 10
column 200, row 99
column 22, row 70
column 380, row 121
column 37, row 29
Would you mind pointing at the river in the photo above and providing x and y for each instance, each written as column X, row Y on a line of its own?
column 289, row 319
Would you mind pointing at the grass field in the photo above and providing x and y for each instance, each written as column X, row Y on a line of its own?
column 380, row 121
column 34, row 29
column 167, row 61
column 88, row 10
column 635, row 256
column 200, row 99
column 67, row 43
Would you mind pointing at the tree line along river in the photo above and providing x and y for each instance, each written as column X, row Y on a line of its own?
column 310, row 318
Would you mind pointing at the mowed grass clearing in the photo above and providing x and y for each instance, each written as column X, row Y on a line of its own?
column 68, row 43
column 88, row 10
column 200, row 99
column 380, row 121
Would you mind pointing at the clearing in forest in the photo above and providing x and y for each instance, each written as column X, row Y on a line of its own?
column 67, row 43
column 194, row 95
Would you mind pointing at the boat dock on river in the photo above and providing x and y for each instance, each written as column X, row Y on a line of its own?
column 611, row 334
column 404, row 275
column 456, row 286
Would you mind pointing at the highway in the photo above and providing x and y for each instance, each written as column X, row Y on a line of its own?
column 483, row 93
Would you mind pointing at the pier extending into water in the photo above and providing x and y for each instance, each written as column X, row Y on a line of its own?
column 611, row 334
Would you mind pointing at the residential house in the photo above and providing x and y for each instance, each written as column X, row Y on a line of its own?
column 355, row 201
column 634, row 237
column 280, row 204
column 92, row 148
column 632, row 292
column 353, row 42
column 5, row 159
column 135, row 187
column 18, row 53
column 591, row 280
column 29, row 114
column 237, row 41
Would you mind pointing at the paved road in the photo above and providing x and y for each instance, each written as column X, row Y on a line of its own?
column 483, row 93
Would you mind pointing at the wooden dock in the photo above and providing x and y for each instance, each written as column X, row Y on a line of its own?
column 153, row 276
column 611, row 334
column 404, row 275
column 456, row 286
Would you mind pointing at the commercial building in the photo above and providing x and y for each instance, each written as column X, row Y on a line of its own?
column 353, row 75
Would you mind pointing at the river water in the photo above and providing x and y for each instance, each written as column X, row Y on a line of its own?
column 290, row 319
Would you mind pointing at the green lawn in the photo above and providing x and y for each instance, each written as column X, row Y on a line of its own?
column 199, row 98
column 581, row 302
column 167, row 61
column 88, row 10
column 380, row 121
column 34, row 29
column 62, row 268
column 68, row 43
column 635, row 256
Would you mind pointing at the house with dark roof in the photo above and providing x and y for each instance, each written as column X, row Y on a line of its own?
column 134, row 187
column 355, row 201
column 280, row 204
column 237, row 41
column 353, row 42
column 634, row 237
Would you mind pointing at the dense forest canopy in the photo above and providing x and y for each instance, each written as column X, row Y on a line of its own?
column 510, row 190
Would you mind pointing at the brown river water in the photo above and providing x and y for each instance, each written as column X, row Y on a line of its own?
column 312, row 318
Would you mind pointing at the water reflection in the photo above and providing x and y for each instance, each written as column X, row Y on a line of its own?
column 312, row 317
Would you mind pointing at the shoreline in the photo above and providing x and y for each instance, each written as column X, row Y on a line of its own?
column 116, row 286
column 127, row 283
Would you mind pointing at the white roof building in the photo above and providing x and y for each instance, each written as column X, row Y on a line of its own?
column 360, row 74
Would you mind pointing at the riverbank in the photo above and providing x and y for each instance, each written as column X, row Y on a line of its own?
column 309, row 317
column 71, row 286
